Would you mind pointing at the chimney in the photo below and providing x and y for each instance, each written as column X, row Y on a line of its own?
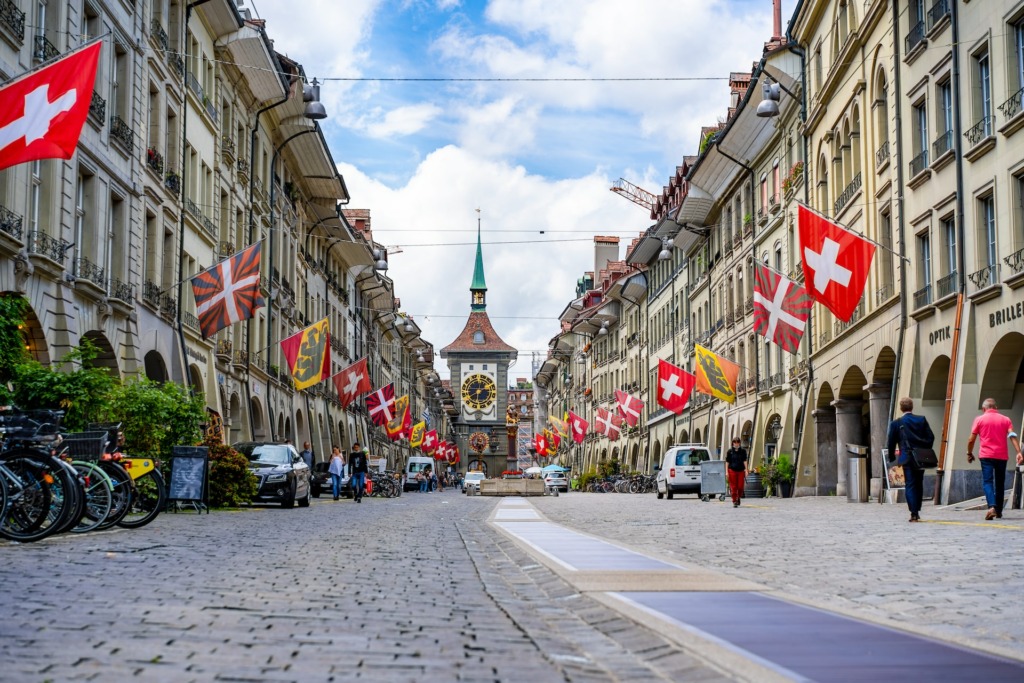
column 777, row 29
column 605, row 249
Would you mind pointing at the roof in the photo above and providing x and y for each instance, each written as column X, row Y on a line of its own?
column 477, row 322
column 478, row 267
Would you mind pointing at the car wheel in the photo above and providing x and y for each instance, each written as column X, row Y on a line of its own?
column 660, row 494
column 289, row 500
column 304, row 503
column 668, row 492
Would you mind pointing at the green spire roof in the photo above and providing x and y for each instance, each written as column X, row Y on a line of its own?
column 478, row 268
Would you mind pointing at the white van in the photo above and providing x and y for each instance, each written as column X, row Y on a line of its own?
column 680, row 470
column 415, row 465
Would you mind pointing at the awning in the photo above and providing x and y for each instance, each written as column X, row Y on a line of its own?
column 590, row 324
column 249, row 48
column 631, row 289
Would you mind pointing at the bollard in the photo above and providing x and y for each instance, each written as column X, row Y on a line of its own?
column 1017, row 473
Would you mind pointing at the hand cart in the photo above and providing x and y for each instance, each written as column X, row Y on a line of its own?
column 712, row 480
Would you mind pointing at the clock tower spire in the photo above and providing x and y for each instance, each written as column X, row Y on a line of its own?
column 479, row 286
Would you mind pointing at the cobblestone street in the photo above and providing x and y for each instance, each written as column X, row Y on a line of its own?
column 422, row 588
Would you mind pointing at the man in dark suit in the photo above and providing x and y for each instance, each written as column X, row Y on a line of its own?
column 910, row 431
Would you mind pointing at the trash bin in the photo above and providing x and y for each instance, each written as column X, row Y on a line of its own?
column 857, row 475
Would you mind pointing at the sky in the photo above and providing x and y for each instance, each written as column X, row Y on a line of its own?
column 533, row 161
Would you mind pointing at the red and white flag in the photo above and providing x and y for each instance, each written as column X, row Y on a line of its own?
column 608, row 423
column 781, row 308
column 228, row 292
column 674, row 386
column 629, row 407
column 381, row 405
column 540, row 443
column 429, row 444
column 577, row 427
column 42, row 112
column 836, row 263
column 352, row 382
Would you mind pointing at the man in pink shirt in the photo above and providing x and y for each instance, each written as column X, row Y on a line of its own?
column 994, row 429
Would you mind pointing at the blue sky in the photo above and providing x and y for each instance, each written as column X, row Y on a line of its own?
column 423, row 156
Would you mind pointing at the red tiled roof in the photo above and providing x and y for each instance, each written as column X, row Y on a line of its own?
column 478, row 321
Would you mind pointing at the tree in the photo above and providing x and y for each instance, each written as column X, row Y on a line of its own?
column 155, row 417
column 231, row 482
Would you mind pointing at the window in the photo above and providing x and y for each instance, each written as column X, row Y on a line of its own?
column 776, row 182
column 949, row 242
column 987, row 228
column 1018, row 209
column 944, row 119
column 764, row 193
column 924, row 254
column 885, row 255
column 919, row 138
column 1017, row 69
column 982, row 98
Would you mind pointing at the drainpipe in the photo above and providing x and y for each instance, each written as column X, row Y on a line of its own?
column 184, row 191
column 960, row 255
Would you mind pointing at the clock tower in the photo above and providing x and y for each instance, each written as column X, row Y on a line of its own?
column 478, row 361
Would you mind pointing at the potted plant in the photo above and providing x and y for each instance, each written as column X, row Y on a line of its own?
column 769, row 472
column 786, row 473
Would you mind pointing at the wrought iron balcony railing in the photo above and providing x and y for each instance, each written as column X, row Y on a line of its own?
column 986, row 277
column 946, row 285
column 44, row 50
column 1015, row 261
column 87, row 270
column 155, row 161
column 172, row 181
column 939, row 10
column 981, row 130
column 151, row 293
column 882, row 155
column 883, row 294
column 224, row 347
column 52, row 248
column 12, row 18
column 190, row 319
column 159, row 34
column 915, row 36
column 122, row 132
column 942, row 144
column 121, row 290
column 1012, row 106
column 98, row 108
column 177, row 63
column 923, row 297
column 10, row 222
column 919, row 163
column 848, row 193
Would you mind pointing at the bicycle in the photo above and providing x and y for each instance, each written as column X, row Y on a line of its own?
column 141, row 476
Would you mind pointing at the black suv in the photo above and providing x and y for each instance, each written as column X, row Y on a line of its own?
column 321, row 482
column 282, row 475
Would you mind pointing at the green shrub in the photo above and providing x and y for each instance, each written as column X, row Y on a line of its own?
column 155, row 417
column 231, row 483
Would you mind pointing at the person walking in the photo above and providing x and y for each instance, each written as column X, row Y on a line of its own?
column 736, row 459
column 359, row 461
column 910, row 431
column 307, row 456
column 421, row 478
column 337, row 470
column 993, row 428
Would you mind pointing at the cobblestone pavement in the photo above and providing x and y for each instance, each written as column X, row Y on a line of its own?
column 417, row 588
column 954, row 576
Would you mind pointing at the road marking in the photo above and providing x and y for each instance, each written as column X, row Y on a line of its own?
column 984, row 525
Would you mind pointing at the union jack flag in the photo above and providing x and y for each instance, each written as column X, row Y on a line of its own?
column 228, row 292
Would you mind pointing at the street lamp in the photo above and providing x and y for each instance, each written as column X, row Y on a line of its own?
column 775, row 428
column 666, row 249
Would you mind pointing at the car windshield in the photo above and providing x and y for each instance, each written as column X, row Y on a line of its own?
column 272, row 455
column 474, row 476
column 688, row 457
column 415, row 467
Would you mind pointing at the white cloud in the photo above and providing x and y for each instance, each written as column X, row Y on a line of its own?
column 404, row 120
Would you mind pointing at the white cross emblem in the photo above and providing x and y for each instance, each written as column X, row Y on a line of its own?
column 825, row 265
column 577, row 427
column 385, row 407
column 776, row 312
column 39, row 113
column 227, row 293
column 353, row 382
column 428, row 440
column 627, row 406
column 670, row 388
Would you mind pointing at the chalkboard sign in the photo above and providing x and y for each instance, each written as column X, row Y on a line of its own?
column 188, row 473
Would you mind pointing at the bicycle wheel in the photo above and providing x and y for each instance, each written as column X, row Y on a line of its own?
column 41, row 496
column 99, row 496
column 76, row 497
column 148, row 500
column 123, row 490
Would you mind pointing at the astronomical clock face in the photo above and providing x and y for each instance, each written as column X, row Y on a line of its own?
column 479, row 392
column 478, row 441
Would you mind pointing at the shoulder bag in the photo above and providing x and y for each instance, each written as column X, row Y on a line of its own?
column 923, row 458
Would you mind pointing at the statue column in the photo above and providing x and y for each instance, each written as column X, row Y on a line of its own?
column 848, row 430
column 825, row 450
column 879, row 396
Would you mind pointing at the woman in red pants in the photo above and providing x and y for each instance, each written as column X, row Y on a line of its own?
column 736, row 458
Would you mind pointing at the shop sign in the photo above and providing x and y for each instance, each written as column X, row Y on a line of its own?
column 1006, row 314
column 940, row 335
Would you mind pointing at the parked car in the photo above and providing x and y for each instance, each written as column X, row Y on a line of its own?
column 472, row 481
column 283, row 477
column 680, row 470
column 321, row 481
column 557, row 480
column 414, row 466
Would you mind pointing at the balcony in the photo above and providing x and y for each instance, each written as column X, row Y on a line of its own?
column 242, row 167
column 227, row 150
column 1015, row 261
column 177, row 63
column 168, row 306
column 151, row 293
column 858, row 313
column 121, row 290
column 919, row 163
column 1012, row 106
column 777, row 380
column 986, row 277
column 172, row 181
column 915, row 36
column 748, row 305
column 52, row 248
column 195, row 86
column 825, row 337
column 796, row 273
column 155, row 161
column 883, row 294
column 12, row 19
column 737, row 239
column 44, row 50
column 748, row 227
column 882, row 155
column 981, row 130
column 121, row 133
column 923, row 297
column 10, row 222
column 225, row 249
column 190, row 319
column 157, row 32
column 87, row 270
column 938, row 12
column 847, row 194
column 942, row 144
column 200, row 217
column 240, row 358
column 98, row 109
column 946, row 285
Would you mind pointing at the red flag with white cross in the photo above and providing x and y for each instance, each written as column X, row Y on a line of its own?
column 381, row 405
column 629, row 407
column 577, row 427
column 674, row 386
column 429, row 444
column 352, row 382
column 781, row 308
column 836, row 263
column 608, row 423
column 42, row 112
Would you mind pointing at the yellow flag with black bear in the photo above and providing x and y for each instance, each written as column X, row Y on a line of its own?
column 396, row 426
column 715, row 375
column 416, row 438
column 309, row 354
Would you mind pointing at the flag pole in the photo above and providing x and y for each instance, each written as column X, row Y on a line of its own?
column 858, row 234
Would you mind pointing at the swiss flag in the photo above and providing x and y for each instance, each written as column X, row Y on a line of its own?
column 352, row 382
column 836, row 263
column 781, row 308
column 42, row 113
column 541, row 445
column 577, row 427
column 429, row 442
column 442, row 451
column 608, row 423
column 629, row 407
column 674, row 386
